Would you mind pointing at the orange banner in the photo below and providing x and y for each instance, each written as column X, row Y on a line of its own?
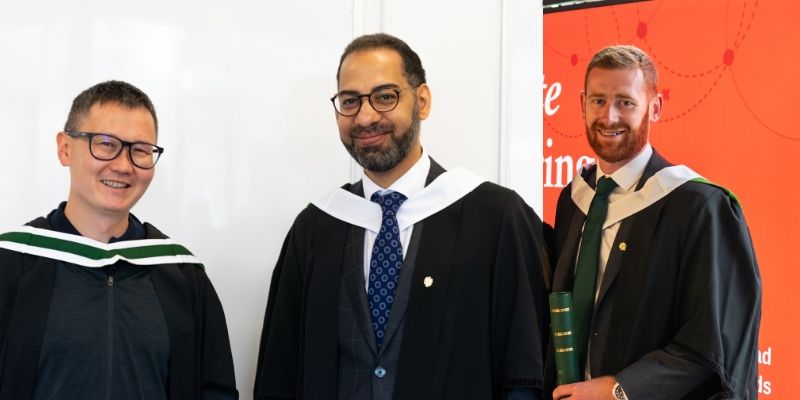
column 727, row 74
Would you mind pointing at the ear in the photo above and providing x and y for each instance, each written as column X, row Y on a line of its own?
column 423, row 100
column 656, row 105
column 63, row 148
column 583, row 104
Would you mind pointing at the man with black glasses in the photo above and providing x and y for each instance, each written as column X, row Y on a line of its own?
column 95, row 304
column 414, row 282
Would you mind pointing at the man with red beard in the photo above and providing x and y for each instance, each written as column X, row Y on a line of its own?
column 413, row 282
column 665, row 284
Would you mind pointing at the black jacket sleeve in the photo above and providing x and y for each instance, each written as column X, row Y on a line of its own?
column 718, row 316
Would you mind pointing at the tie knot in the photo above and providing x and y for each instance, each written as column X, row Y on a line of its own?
column 390, row 201
column 605, row 186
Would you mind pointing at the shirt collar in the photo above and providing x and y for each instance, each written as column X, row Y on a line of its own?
column 629, row 174
column 60, row 223
column 409, row 184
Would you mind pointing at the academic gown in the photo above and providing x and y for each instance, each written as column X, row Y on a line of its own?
column 476, row 330
column 200, row 361
column 681, row 291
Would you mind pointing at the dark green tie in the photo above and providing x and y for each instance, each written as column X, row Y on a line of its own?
column 588, row 261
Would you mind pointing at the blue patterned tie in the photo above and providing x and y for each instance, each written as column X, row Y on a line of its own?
column 385, row 263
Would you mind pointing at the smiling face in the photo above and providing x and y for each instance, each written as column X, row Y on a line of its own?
column 382, row 141
column 618, row 110
column 107, row 188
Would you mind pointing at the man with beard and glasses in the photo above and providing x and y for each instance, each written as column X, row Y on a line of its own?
column 665, row 284
column 414, row 282
column 94, row 303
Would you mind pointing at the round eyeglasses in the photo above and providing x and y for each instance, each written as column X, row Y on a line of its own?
column 106, row 147
column 382, row 100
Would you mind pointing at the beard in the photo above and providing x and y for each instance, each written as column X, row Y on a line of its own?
column 379, row 159
column 632, row 141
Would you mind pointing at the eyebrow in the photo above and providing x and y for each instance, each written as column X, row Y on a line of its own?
column 113, row 135
column 603, row 95
column 379, row 87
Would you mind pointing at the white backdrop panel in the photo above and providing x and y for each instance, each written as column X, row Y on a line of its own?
column 241, row 91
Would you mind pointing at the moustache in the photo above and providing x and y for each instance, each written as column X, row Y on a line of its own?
column 372, row 130
column 613, row 127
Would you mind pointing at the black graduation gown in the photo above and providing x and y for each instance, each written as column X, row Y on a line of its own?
column 684, row 288
column 475, row 332
column 200, row 361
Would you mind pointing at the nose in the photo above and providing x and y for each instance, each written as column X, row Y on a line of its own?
column 610, row 113
column 122, row 164
column 367, row 115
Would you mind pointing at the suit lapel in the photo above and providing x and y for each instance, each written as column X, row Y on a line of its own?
column 615, row 258
column 621, row 242
column 403, row 285
column 427, row 302
column 655, row 164
column 407, row 276
column 433, row 172
column 353, row 276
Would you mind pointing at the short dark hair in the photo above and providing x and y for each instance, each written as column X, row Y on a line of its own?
column 412, row 66
column 110, row 91
column 624, row 57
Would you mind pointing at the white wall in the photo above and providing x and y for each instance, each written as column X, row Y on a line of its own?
column 241, row 89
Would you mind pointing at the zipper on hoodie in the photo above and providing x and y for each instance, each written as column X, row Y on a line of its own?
column 110, row 331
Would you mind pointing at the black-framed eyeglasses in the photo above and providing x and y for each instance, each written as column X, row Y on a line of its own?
column 106, row 147
column 382, row 100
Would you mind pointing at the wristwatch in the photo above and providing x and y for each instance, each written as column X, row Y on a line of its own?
column 618, row 392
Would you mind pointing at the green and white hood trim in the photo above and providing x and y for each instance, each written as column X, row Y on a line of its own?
column 657, row 187
column 87, row 252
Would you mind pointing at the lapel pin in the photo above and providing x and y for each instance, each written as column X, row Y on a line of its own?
column 428, row 282
column 623, row 246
